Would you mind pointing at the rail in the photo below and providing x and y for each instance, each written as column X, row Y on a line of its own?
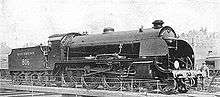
column 128, row 85
column 133, row 85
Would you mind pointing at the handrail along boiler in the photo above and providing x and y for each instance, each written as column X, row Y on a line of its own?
column 112, row 57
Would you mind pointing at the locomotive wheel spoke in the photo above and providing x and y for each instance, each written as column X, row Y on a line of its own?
column 21, row 79
column 70, row 82
column 16, row 80
column 147, row 86
column 169, row 87
column 166, row 89
column 111, row 82
column 66, row 80
column 91, row 82
column 131, row 86
column 39, row 83
column 183, row 86
column 58, row 81
column 39, row 80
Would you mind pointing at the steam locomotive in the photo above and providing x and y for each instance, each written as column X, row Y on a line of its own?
column 110, row 59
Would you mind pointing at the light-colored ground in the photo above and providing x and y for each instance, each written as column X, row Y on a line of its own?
column 14, row 93
column 57, row 91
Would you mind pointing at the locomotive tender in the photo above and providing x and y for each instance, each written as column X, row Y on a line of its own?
column 110, row 58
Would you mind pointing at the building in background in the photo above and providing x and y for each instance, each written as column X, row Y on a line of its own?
column 4, row 51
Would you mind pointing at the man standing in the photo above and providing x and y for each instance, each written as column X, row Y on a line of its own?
column 204, row 68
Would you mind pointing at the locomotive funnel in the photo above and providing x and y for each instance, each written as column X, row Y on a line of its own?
column 108, row 30
column 158, row 24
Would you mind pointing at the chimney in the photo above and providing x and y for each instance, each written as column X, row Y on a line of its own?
column 108, row 30
column 158, row 24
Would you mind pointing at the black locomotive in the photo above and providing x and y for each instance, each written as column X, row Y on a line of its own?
column 112, row 59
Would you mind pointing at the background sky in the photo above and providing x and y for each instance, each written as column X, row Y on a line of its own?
column 32, row 21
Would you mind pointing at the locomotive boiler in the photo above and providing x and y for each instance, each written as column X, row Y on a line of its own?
column 113, row 59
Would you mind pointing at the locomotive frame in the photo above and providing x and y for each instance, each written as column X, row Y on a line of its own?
column 111, row 58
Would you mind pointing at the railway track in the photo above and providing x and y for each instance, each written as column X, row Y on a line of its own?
column 9, row 90
column 21, row 93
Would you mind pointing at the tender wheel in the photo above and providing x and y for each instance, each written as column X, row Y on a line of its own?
column 111, row 82
column 77, row 76
column 65, row 80
column 168, row 86
column 58, row 81
column 69, row 80
column 34, row 79
column 22, row 79
column 40, row 81
column 16, row 80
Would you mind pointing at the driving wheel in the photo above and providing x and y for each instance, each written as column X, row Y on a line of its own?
column 91, row 82
column 111, row 82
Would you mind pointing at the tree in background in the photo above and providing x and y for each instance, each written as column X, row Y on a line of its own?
column 202, row 42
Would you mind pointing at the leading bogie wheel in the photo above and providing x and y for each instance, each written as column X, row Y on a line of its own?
column 183, row 85
column 168, row 86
